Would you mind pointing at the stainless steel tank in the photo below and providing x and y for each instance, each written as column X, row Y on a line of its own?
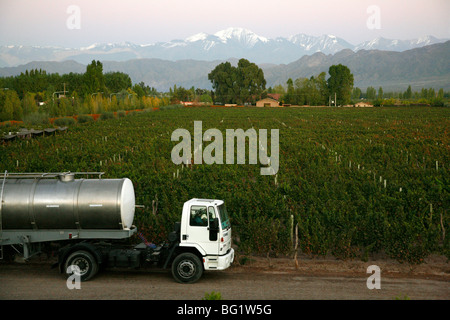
column 67, row 203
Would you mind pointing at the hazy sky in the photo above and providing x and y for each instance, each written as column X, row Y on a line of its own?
column 77, row 23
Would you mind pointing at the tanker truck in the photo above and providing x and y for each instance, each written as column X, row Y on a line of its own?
column 91, row 219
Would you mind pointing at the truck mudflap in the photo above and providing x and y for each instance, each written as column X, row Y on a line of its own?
column 219, row 262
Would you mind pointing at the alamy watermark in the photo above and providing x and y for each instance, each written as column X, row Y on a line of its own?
column 374, row 281
column 374, row 20
column 74, row 20
column 74, row 280
column 214, row 151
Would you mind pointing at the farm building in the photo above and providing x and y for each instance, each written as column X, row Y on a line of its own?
column 267, row 102
column 363, row 104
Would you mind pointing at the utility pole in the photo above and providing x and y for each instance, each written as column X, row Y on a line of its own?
column 335, row 99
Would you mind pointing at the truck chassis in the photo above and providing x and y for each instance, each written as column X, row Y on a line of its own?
column 92, row 250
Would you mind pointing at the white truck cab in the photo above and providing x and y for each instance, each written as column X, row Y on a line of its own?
column 205, row 226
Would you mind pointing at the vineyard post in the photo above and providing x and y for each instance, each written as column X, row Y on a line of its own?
column 292, row 229
column 155, row 205
column 296, row 246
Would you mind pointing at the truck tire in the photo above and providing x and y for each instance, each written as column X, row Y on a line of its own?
column 86, row 263
column 187, row 268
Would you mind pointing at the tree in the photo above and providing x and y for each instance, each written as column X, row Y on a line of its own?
column 10, row 106
column 6, row 109
column 223, row 82
column 29, row 103
column 371, row 93
column 289, row 97
column 340, row 83
column 139, row 90
column 12, row 101
column 322, row 88
column 279, row 89
column 251, row 81
column 94, row 80
column 356, row 93
column 116, row 81
column 182, row 94
column 244, row 83
column 408, row 93
column 380, row 93
column 312, row 91
column 114, row 105
column 76, row 104
column 205, row 98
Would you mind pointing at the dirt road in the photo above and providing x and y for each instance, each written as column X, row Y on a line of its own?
column 260, row 279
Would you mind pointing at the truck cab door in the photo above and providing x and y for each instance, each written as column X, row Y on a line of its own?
column 203, row 229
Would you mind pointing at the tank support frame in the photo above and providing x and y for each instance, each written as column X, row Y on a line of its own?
column 28, row 239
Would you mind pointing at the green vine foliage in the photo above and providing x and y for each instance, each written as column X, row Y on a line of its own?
column 355, row 181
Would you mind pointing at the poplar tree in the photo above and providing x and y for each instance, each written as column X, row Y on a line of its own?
column 94, row 80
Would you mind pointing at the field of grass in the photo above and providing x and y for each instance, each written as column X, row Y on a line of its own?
column 354, row 181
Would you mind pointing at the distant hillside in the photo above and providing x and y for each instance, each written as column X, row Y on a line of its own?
column 163, row 74
column 49, row 66
column 427, row 67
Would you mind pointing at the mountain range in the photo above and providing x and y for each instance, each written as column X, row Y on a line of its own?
column 393, row 65
column 224, row 44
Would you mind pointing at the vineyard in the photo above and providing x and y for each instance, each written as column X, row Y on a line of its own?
column 351, row 182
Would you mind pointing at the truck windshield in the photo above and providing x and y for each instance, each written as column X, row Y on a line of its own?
column 223, row 216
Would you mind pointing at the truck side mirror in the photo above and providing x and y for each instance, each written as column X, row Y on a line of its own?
column 214, row 224
column 213, row 229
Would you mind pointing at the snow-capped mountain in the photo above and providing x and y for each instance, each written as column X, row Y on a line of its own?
column 224, row 44
column 322, row 43
column 240, row 35
column 397, row 45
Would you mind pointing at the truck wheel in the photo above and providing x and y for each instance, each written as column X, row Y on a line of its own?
column 86, row 263
column 187, row 268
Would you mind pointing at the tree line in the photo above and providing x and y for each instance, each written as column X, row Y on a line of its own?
column 36, row 91
column 246, row 84
column 81, row 84
column 317, row 90
column 424, row 96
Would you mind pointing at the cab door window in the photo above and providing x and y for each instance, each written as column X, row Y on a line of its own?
column 211, row 213
column 199, row 216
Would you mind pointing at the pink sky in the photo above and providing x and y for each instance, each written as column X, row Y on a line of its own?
column 43, row 22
